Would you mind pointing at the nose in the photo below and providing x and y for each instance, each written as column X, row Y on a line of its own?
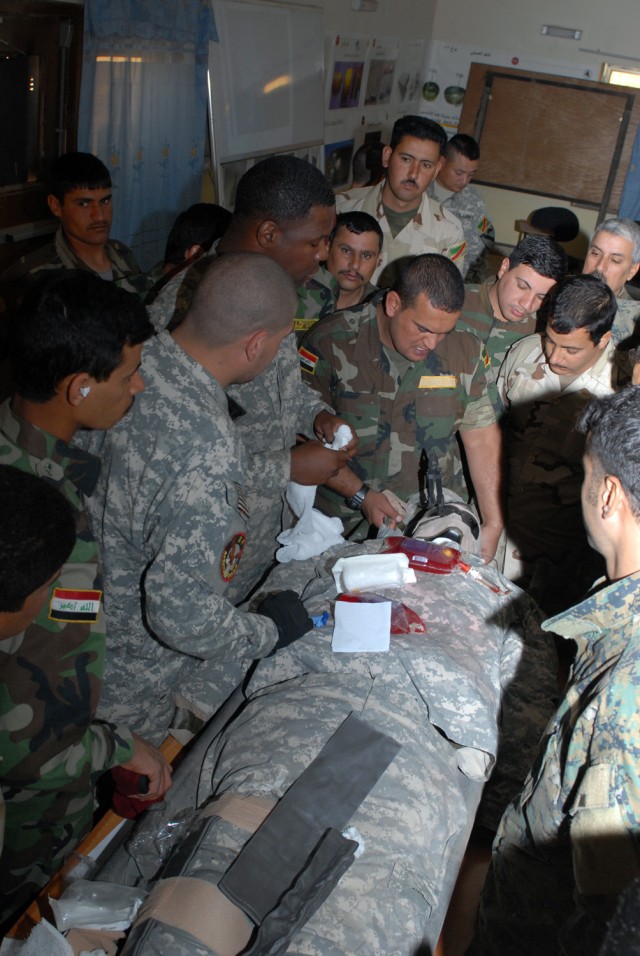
column 137, row 383
column 551, row 351
column 430, row 340
column 528, row 302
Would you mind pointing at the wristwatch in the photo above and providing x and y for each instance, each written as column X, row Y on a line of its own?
column 355, row 501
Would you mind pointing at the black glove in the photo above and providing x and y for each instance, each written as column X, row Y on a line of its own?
column 289, row 615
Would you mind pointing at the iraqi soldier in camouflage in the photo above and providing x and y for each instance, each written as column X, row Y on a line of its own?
column 355, row 246
column 568, row 845
column 411, row 222
column 80, row 197
column 544, row 383
column 75, row 355
column 614, row 255
column 285, row 210
column 451, row 188
column 406, row 380
column 172, row 514
column 176, row 277
column 503, row 309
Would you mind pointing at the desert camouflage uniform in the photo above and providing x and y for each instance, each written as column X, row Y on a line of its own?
column 496, row 336
column 59, row 255
column 278, row 405
column 173, row 524
column 468, row 206
column 544, row 460
column 414, row 822
column 570, row 843
column 316, row 299
column 52, row 747
column 397, row 407
column 624, row 324
column 432, row 229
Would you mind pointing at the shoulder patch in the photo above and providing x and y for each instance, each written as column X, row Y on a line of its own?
column 308, row 360
column 455, row 252
column 303, row 325
column 231, row 554
column 484, row 355
column 70, row 606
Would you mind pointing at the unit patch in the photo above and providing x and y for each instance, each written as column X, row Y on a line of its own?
column 71, row 606
column 231, row 554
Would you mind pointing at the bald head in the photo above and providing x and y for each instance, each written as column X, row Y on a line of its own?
column 239, row 294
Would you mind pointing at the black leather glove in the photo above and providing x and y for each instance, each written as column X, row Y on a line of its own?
column 289, row 615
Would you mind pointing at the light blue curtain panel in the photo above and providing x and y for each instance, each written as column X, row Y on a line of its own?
column 143, row 110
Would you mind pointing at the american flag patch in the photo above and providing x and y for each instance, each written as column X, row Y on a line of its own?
column 71, row 606
column 308, row 360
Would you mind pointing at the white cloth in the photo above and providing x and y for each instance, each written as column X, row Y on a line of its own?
column 313, row 532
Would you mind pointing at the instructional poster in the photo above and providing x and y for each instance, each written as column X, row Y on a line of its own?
column 349, row 59
column 447, row 68
column 382, row 69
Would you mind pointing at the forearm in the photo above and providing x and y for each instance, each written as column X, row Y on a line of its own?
column 483, row 450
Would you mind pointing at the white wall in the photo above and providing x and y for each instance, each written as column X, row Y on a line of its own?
column 513, row 26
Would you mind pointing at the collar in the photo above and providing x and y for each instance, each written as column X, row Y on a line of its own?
column 56, row 459
column 607, row 610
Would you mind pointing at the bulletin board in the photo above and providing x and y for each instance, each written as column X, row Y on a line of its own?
column 550, row 135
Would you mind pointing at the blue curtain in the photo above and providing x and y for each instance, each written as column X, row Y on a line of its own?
column 630, row 199
column 143, row 110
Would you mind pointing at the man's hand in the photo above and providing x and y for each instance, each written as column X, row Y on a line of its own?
column 489, row 541
column 149, row 762
column 376, row 507
column 325, row 426
column 313, row 464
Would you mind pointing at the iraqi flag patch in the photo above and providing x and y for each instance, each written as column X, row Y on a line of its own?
column 71, row 606
column 308, row 360
column 455, row 252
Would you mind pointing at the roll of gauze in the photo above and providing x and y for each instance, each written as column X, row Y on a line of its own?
column 368, row 571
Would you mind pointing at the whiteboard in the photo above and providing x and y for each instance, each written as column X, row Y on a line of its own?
column 267, row 78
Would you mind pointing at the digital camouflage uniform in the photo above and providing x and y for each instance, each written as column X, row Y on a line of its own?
column 437, row 694
column 468, row 206
column 52, row 746
column 316, row 298
column 173, row 525
column 169, row 299
column 432, row 229
column 277, row 406
column 59, row 255
column 496, row 336
column 544, row 463
column 397, row 407
column 571, row 842
column 624, row 324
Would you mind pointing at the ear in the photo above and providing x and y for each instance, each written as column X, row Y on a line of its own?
column 439, row 166
column 604, row 341
column 634, row 268
column 254, row 344
column 55, row 205
column 386, row 156
column 392, row 303
column 504, row 267
column 267, row 234
column 193, row 252
column 612, row 496
column 71, row 386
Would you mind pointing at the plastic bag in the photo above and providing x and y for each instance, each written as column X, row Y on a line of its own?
column 424, row 555
column 89, row 904
column 404, row 620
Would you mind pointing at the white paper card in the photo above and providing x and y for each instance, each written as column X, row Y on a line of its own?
column 361, row 627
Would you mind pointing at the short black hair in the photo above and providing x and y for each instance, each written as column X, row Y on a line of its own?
column 38, row 535
column 69, row 322
column 544, row 255
column 436, row 276
column 281, row 188
column 464, row 144
column 77, row 171
column 612, row 426
column 357, row 222
column 367, row 165
column 421, row 128
column 200, row 224
column 580, row 302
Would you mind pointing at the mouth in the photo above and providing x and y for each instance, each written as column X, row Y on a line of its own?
column 352, row 276
column 410, row 184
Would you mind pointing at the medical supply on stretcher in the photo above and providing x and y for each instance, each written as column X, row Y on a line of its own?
column 436, row 558
column 368, row 571
column 404, row 620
